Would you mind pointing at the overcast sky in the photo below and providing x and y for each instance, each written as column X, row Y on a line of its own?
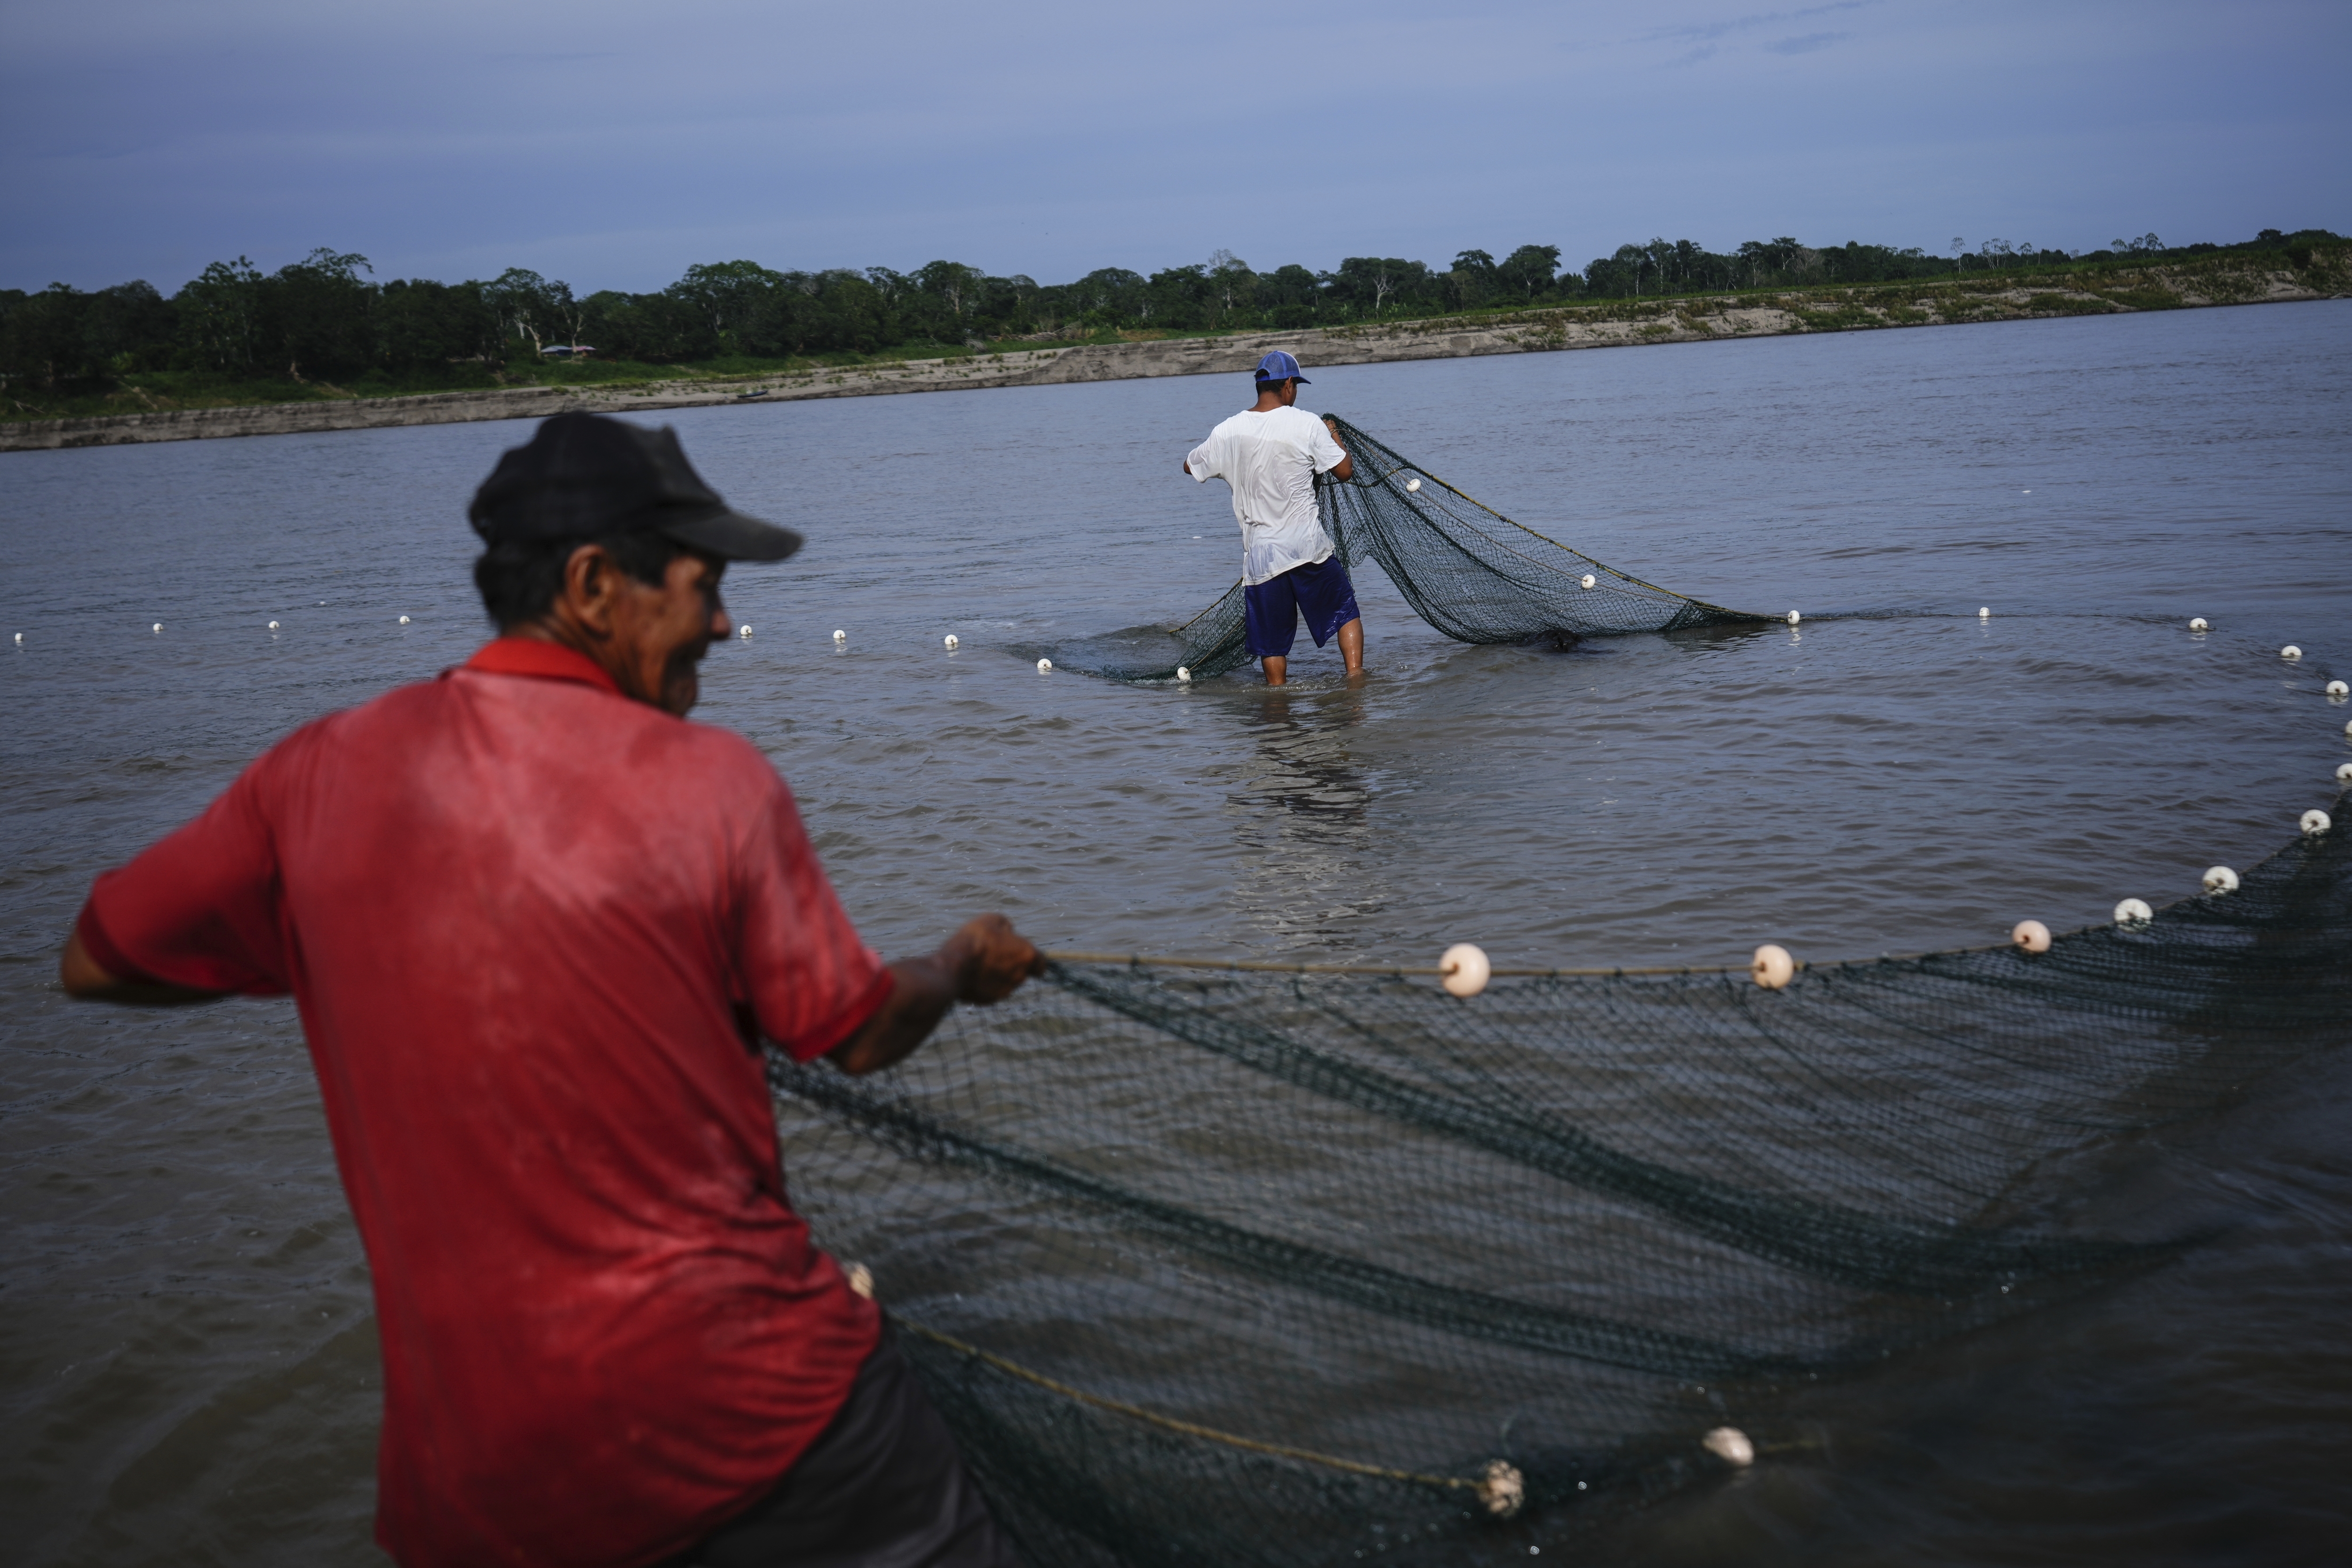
column 612, row 144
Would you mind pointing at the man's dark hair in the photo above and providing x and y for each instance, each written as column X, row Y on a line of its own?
column 521, row 578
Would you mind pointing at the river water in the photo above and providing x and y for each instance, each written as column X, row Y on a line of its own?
column 186, row 1350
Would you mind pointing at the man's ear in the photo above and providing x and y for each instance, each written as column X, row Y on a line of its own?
column 588, row 582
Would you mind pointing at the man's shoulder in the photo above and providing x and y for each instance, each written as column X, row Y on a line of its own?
column 1292, row 424
column 1274, row 424
column 612, row 726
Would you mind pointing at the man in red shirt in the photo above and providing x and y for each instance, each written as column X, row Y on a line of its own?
column 536, row 926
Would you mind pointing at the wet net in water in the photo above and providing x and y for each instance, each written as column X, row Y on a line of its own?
column 1462, row 566
column 1255, row 1266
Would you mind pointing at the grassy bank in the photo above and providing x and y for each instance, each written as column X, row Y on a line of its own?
column 2009, row 294
column 2020, row 294
column 153, row 392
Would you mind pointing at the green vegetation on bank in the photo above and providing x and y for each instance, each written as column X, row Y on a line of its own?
column 323, row 328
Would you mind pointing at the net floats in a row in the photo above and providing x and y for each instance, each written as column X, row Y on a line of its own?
column 2134, row 914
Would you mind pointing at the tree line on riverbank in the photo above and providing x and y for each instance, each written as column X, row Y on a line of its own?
column 326, row 319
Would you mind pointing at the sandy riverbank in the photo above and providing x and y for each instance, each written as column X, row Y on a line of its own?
column 1615, row 323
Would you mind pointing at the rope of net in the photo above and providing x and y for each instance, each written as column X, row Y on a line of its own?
column 1497, row 1490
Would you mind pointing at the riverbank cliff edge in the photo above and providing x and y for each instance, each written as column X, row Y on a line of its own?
column 1610, row 324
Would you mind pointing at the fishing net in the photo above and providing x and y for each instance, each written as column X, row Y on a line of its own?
column 1248, row 1265
column 1462, row 566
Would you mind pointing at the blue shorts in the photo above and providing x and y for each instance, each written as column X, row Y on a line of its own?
column 1321, row 591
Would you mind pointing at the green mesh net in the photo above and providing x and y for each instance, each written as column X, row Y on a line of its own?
column 1243, row 1264
column 1464, row 567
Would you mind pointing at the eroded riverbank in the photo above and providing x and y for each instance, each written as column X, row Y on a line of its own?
column 1610, row 324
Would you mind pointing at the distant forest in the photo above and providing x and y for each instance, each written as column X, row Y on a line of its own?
column 326, row 319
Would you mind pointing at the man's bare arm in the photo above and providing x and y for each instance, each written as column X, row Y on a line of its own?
column 79, row 973
column 985, row 961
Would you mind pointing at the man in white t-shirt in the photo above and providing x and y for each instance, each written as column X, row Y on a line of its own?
column 1270, row 455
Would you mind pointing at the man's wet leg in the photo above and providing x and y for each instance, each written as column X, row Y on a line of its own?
column 1351, row 647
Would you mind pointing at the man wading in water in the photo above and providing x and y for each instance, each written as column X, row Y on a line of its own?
column 537, row 925
column 1269, row 455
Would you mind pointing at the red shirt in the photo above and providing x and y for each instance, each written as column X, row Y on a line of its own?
column 522, row 916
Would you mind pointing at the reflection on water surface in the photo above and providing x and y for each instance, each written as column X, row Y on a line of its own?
column 184, row 1319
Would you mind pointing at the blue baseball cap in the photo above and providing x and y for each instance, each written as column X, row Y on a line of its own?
column 1280, row 367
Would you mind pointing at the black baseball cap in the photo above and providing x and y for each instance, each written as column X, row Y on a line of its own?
column 582, row 476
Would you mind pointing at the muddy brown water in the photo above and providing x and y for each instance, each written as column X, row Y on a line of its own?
column 186, row 1352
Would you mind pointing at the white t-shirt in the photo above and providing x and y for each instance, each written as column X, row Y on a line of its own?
column 1271, row 459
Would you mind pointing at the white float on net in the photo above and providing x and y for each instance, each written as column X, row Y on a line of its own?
column 1503, row 1489
column 2031, row 936
column 1772, row 968
column 1466, row 969
column 2343, row 774
column 1587, row 580
column 2338, row 689
column 1730, row 1445
column 1412, row 484
column 1044, row 667
column 744, row 631
column 404, row 620
column 1984, row 612
column 952, row 642
column 2290, row 652
column 2220, row 879
column 840, row 635
column 1794, row 617
column 1183, row 673
column 2198, row 624
column 159, row 626
column 2134, row 912
column 273, row 625
column 2317, row 822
